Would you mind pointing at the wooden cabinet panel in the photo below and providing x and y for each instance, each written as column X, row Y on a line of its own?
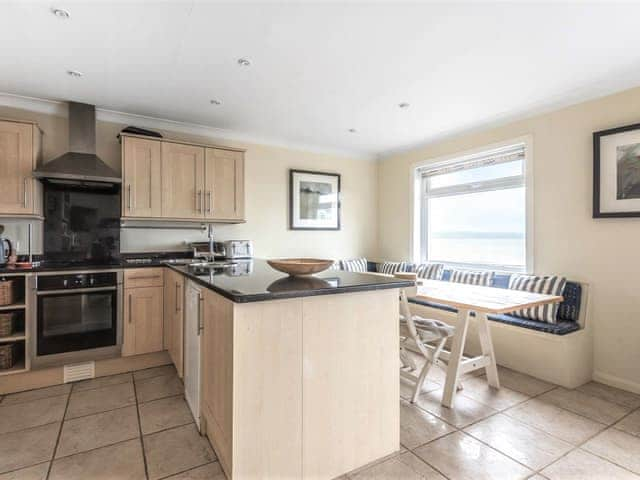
column 144, row 277
column 350, row 376
column 141, row 171
column 174, row 318
column 217, row 374
column 224, row 184
column 268, row 389
column 182, row 181
column 143, row 321
column 17, row 187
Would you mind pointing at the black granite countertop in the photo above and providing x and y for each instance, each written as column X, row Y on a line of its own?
column 241, row 280
column 255, row 281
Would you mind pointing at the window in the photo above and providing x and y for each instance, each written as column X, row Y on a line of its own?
column 473, row 210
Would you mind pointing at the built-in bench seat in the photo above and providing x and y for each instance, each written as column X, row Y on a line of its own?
column 561, row 353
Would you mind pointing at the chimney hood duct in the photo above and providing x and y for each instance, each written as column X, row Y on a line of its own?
column 80, row 165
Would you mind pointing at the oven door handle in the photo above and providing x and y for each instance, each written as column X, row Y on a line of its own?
column 76, row 290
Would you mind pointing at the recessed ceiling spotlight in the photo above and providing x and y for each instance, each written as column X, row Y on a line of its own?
column 353, row 130
column 74, row 73
column 58, row 12
column 213, row 101
column 243, row 62
column 403, row 105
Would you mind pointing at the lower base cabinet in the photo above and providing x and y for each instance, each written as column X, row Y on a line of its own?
column 174, row 318
column 291, row 387
column 143, row 311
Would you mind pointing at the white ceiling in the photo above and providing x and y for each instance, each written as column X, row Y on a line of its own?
column 320, row 69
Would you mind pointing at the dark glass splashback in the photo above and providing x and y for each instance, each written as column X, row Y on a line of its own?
column 80, row 224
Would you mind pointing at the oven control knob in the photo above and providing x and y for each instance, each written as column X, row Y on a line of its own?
column 91, row 280
column 65, row 283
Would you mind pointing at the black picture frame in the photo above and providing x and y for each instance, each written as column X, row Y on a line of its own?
column 597, row 136
column 292, row 192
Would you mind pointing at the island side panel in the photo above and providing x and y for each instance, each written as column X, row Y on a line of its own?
column 217, row 375
column 267, row 390
column 351, row 413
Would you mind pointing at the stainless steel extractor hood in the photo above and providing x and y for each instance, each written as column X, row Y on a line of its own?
column 80, row 165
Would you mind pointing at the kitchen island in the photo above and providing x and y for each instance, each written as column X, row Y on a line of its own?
column 299, row 376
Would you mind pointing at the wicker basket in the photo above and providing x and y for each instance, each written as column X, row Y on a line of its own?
column 7, row 355
column 8, row 323
column 7, row 292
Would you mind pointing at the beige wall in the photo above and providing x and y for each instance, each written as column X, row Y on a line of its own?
column 266, row 196
column 604, row 252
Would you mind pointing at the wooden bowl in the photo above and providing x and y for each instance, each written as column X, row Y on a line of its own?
column 300, row 266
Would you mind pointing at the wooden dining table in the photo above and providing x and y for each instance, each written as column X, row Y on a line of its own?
column 481, row 301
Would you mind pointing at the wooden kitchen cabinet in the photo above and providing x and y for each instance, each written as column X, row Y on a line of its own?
column 217, row 374
column 20, row 193
column 173, row 180
column 143, row 311
column 182, row 181
column 141, row 178
column 224, row 184
column 174, row 318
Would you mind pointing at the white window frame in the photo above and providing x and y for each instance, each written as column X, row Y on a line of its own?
column 418, row 210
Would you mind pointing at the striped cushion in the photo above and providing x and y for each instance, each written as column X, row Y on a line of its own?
column 392, row 267
column 431, row 271
column 335, row 265
column 549, row 285
column 472, row 278
column 355, row 265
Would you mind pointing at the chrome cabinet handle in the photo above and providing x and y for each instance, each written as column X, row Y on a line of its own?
column 199, row 324
column 144, row 277
column 177, row 297
column 129, row 196
column 130, row 311
column 25, row 192
column 199, row 201
column 209, row 206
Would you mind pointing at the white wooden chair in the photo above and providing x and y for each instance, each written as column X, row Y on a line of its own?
column 424, row 336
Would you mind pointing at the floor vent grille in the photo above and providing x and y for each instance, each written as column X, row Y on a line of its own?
column 79, row 371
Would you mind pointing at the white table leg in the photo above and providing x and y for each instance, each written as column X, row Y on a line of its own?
column 457, row 349
column 487, row 349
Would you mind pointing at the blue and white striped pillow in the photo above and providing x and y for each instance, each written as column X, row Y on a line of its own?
column 392, row 267
column 355, row 265
column 549, row 285
column 484, row 279
column 430, row 271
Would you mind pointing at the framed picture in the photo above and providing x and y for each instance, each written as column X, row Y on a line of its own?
column 314, row 200
column 616, row 172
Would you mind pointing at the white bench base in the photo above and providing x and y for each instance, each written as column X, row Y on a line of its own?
column 565, row 360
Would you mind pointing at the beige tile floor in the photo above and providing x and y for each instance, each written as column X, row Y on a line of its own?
column 137, row 426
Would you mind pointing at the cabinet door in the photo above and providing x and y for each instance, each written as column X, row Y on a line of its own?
column 224, row 184
column 141, row 190
column 217, row 373
column 16, row 164
column 182, row 181
column 173, row 318
column 142, row 321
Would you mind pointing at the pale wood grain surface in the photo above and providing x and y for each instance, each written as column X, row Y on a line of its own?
column 481, row 299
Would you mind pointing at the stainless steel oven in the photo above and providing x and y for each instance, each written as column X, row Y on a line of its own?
column 77, row 317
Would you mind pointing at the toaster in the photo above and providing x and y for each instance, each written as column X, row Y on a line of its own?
column 235, row 248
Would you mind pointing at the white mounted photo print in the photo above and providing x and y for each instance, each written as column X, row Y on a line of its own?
column 314, row 200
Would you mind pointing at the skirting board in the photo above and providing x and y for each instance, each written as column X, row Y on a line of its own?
column 616, row 382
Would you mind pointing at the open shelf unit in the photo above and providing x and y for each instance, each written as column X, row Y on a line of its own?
column 20, row 335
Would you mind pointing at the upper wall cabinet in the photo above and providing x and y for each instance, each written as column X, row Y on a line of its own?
column 141, row 179
column 179, row 181
column 20, row 193
column 182, row 181
column 224, row 184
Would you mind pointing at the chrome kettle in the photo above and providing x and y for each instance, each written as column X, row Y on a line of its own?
column 6, row 249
